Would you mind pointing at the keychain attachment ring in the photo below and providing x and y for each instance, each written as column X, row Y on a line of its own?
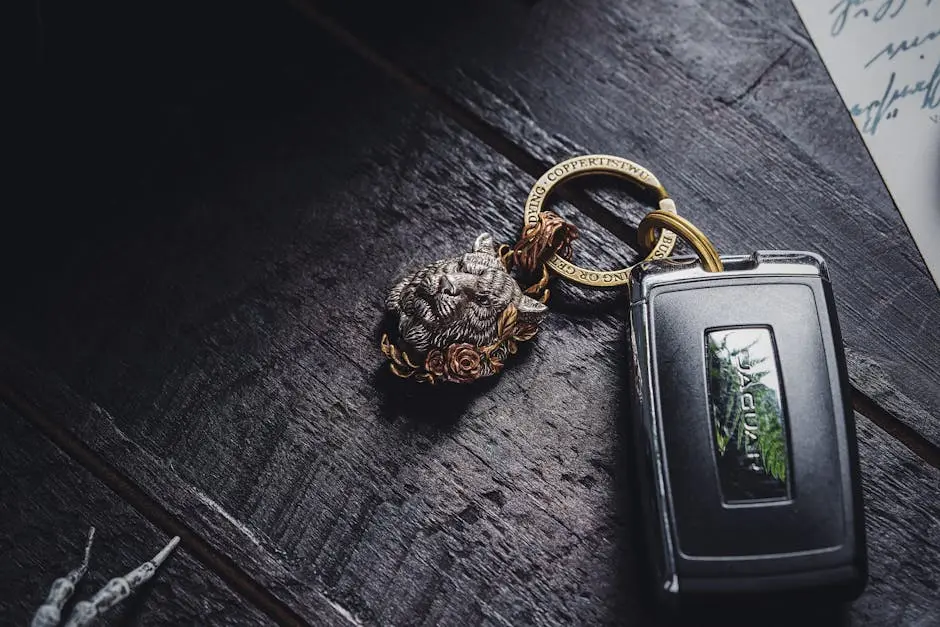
column 706, row 251
column 661, row 246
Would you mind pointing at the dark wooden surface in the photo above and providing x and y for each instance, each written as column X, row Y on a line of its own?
column 195, row 286
column 733, row 106
column 48, row 502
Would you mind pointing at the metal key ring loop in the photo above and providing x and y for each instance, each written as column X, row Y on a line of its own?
column 599, row 164
column 663, row 220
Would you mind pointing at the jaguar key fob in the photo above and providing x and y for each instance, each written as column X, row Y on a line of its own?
column 748, row 463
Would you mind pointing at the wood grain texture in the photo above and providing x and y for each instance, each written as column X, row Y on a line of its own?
column 218, row 348
column 902, row 526
column 729, row 104
column 493, row 514
column 48, row 502
column 224, row 358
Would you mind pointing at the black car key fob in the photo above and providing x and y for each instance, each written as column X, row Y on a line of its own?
column 748, row 463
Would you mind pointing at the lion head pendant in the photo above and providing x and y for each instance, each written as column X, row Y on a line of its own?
column 459, row 318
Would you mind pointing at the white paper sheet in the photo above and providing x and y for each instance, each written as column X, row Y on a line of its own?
column 884, row 57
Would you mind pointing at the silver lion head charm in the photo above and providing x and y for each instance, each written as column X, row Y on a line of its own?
column 459, row 318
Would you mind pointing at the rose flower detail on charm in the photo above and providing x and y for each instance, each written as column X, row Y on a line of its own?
column 459, row 318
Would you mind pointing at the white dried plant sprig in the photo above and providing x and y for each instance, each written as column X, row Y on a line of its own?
column 50, row 612
column 118, row 589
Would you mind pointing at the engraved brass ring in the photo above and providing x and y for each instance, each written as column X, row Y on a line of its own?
column 585, row 166
column 663, row 220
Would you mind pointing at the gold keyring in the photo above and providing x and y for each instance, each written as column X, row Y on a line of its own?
column 599, row 164
column 703, row 247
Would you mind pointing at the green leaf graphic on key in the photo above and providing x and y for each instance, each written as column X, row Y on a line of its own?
column 746, row 411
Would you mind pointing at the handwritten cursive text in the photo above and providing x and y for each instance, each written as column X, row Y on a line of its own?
column 885, row 108
column 895, row 48
column 845, row 11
